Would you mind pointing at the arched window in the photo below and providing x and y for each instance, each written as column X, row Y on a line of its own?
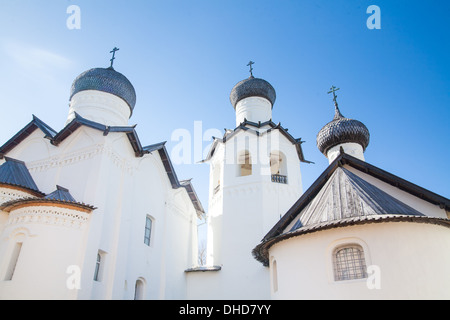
column 278, row 167
column 349, row 263
column 139, row 289
column 245, row 163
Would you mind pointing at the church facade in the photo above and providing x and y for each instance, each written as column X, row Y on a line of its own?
column 88, row 212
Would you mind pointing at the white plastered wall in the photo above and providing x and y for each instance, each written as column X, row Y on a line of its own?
column 241, row 212
column 253, row 109
column 103, row 171
column 412, row 259
column 101, row 107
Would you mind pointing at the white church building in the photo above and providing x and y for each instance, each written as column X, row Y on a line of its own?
column 88, row 212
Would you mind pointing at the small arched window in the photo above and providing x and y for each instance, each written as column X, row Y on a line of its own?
column 278, row 167
column 139, row 289
column 245, row 163
column 349, row 263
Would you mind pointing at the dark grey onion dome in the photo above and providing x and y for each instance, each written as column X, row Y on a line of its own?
column 107, row 80
column 252, row 87
column 342, row 130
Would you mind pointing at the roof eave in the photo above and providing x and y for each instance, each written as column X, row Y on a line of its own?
column 11, row 205
column 26, row 131
column 261, row 251
column 78, row 121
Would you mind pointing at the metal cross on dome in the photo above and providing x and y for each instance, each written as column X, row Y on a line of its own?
column 333, row 90
column 113, row 51
column 251, row 68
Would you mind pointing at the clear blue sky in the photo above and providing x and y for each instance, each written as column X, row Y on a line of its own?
column 184, row 56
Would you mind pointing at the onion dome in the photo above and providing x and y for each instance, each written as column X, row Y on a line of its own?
column 107, row 80
column 341, row 130
column 252, row 87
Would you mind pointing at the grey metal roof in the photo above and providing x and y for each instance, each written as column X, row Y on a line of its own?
column 194, row 198
column 139, row 150
column 60, row 193
column 46, row 129
column 106, row 80
column 342, row 130
column 252, row 87
column 15, row 172
column 34, row 124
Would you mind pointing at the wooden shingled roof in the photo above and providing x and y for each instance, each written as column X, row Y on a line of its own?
column 340, row 198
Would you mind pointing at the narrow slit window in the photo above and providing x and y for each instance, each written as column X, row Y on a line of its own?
column 13, row 261
column 99, row 265
column 275, row 276
column 148, row 230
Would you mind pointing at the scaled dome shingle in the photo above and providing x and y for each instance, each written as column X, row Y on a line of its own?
column 342, row 130
column 252, row 87
column 107, row 80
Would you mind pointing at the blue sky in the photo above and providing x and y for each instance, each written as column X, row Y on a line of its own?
column 183, row 58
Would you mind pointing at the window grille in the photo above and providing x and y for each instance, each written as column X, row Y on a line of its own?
column 349, row 263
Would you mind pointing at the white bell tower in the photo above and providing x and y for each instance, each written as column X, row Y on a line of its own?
column 254, row 179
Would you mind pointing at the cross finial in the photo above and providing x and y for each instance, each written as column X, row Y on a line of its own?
column 113, row 51
column 333, row 90
column 337, row 112
column 251, row 68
